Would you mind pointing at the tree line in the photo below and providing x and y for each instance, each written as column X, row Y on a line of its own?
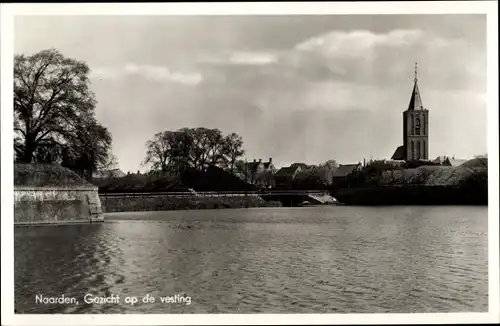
column 54, row 114
column 193, row 148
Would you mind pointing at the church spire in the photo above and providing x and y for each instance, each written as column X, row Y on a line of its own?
column 416, row 79
column 415, row 101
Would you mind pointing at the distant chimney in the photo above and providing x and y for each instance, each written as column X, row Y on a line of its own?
column 260, row 160
column 254, row 160
column 270, row 160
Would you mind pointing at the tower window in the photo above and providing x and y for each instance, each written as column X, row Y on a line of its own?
column 417, row 126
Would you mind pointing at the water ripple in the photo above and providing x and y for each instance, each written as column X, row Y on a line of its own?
column 277, row 260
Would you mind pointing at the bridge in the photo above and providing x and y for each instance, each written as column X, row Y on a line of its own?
column 215, row 193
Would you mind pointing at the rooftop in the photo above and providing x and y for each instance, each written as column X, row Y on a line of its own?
column 286, row 171
column 415, row 100
column 252, row 166
column 399, row 153
column 345, row 169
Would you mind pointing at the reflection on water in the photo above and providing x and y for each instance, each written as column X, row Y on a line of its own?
column 272, row 260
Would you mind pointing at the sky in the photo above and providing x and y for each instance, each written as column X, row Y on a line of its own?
column 296, row 88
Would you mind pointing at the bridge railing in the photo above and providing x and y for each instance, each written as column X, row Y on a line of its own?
column 181, row 194
column 178, row 194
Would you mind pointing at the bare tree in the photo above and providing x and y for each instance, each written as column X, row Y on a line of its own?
column 157, row 152
column 233, row 148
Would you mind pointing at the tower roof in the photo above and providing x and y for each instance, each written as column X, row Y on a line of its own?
column 415, row 100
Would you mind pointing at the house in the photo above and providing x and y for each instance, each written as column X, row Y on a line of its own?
column 50, row 193
column 449, row 161
column 302, row 166
column 345, row 170
column 261, row 173
column 385, row 163
column 285, row 176
column 439, row 160
column 399, row 154
column 454, row 162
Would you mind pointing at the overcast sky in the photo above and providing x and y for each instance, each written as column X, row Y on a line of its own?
column 296, row 88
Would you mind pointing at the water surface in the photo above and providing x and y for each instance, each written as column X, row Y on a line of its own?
column 266, row 260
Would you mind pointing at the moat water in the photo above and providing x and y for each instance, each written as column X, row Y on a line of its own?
column 265, row 260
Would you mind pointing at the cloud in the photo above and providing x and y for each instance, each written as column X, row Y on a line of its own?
column 356, row 43
column 383, row 59
column 334, row 95
column 150, row 72
column 387, row 58
column 251, row 58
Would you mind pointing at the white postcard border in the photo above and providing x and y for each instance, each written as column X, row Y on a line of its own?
column 9, row 11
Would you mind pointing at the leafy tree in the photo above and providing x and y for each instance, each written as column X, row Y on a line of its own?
column 241, row 170
column 309, row 178
column 89, row 149
column 327, row 170
column 54, row 112
column 197, row 148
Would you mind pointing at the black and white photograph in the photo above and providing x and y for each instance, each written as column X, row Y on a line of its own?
column 226, row 164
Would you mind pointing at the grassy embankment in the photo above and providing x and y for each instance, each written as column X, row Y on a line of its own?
column 425, row 185
column 124, row 204
column 211, row 180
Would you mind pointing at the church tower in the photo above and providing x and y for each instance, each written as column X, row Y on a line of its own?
column 416, row 127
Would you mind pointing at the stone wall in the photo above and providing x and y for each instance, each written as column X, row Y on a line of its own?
column 38, row 205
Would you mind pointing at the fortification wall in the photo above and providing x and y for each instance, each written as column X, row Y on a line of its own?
column 38, row 205
column 128, row 204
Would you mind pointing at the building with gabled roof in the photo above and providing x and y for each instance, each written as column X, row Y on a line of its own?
column 449, row 161
column 345, row 170
column 285, row 176
column 261, row 173
column 299, row 165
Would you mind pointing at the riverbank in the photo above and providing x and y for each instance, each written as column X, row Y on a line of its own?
column 412, row 195
column 425, row 185
column 131, row 204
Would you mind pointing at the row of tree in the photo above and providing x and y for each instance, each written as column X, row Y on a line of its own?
column 54, row 114
column 196, row 148
column 174, row 152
